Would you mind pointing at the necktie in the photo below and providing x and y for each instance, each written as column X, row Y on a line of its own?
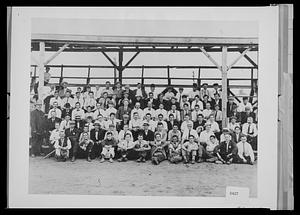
column 227, row 144
column 96, row 135
column 243, row 149
column 179, row 98
column 248, row 128
column 67, row 124
column 189, row 134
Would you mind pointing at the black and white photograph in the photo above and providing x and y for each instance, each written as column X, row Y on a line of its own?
column 149, row 106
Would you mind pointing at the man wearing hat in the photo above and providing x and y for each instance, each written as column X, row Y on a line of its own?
column 148, row 135
column 38, row 128
column 97, row 135
column 73, row 134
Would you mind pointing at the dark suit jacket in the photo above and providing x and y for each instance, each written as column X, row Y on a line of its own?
column 157, row 103
column 170, row 126
column 51, row 124
column 197, row 124
column 149, row 136
column 154, row 102
column 64, row 112
column 213, row 102
column 170, row 104
column 244, row 117
column 229, row 109
column 142, row 102
column 234, row 137
column 121, row 112
column 74, row 135
column 101, row 134
column 81, row 125
column 204, row 104
column 38, row 122
column 221, row 148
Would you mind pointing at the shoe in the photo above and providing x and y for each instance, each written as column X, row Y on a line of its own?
column 228, row 162
column 111, row 160
column 125, row 159
column 200, row 160
column 218, row 162
column 192, row 162
column 73, row 159
column 139, row 159
column 33, row 155
column 102, row 160
column 155, row 161
column 143, row 160
column 120, row 159
column 185, row 161
column 89, row 159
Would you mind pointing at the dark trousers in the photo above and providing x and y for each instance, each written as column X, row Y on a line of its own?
column 130, row 153
column 253, row 142
column 36, row 144
column 240, row 160
column 135, row 134
column 96, row 150
column 225, row 158
column 79, row 152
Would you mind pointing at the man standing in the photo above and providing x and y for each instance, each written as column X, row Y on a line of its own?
column 38, row 128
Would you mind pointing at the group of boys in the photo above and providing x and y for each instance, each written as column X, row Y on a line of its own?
column 137, row 125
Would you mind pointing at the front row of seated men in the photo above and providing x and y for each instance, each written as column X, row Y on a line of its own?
column 107, row 145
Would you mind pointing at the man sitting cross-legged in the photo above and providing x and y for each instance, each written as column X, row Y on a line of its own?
column 208, row 153
column 226, row 150
column 142, row 147
column 158, row 152
column 108, row 150
column 84, row 145
column 126, row 147
column 175, row 150
column 97, row 135
column 62, row 146
column 189, row 150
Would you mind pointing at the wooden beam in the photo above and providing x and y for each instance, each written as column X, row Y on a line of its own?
column 168, row 73
column 131, row 59
column 236, row 97
column 238, row 58
column 61, row 74
column 144, row 40
column 199, row 77
column 41, row 70
column 224, row 86
column 120, row 67
column 142, row 81
column 109, row 59
column 249, row 59
column 56, row 54
column 210, row 58
column 35, row 60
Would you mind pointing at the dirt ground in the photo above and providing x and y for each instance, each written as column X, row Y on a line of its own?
column 46, row 176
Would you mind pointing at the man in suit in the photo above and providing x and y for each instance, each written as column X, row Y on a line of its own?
column 236, row 135
column 73, row 134
column 171, row 122
column 38, row 128
column 152, row 100
column 226, row 151
column 148, row 135
column 216, row 101
column 79, row 123
column 66, row 111
column 97, row 136
column 129, row 91
column 246, row 114
column 51, row 122
column 230, row 106
column 185, row 111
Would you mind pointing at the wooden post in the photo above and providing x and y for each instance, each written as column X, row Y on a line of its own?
column 120, row 67
column 142, row 81
column 252, row 90
column 199, row 76
column 224, row 86
column 88, row 78
column 41, row 71
column 61, row 74
column 169, row 79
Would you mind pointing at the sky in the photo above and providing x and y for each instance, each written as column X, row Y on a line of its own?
column 147, row 28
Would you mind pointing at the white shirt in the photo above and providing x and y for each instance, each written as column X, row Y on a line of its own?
column 242, row 106
column 58, row 113
column 213, row 91
column 135, row 123
column 151, row 111
column 184, row 125
column 197, row 103
column 98, row 93
column 218, row 115
column 56, row 144
column 211, row 146
column 214, row 126
column 168, row 95
column 89, row 102
column 193, row 93
column 98, row 112
column 109, row 111
column 253, row 129
column 206, row 113
column 45, row 91
column 58, row 100
column 126, row 145
column 163, row 112
column 187, row 132
column 152, row 124
column 204, row 136
column 109, row 122
column 139, row 111
column 154, row 94
column 139, row 93
column 54, row 136
column 64, row 124
column 122, row 135
column 203, row 93
column 80, row 100
column 245, row 149
column 165, row 125
column 232, row 126
column 79, row 112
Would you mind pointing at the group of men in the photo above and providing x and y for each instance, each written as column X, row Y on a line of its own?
column 121, row 123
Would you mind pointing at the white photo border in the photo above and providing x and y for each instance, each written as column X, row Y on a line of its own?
column 267, row 18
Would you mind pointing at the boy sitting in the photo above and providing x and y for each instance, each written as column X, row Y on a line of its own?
column 175, row 150
column 142, row 147
column 245, row 153
column 125, row 147
column 108, row 151
column 158, row 152
column 189, row 149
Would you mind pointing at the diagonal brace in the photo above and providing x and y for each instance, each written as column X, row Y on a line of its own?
column 131, row 59
column 56, row 53
column 110, row 60
column 238, row 58
column 210, row 58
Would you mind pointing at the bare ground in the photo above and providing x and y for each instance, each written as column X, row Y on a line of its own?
column 46, row 176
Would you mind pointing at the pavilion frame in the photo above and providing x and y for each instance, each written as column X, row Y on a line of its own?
column 121, row 44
